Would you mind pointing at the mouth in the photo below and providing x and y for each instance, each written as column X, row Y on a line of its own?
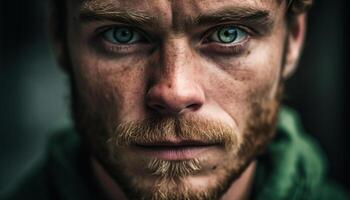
column 174, row 150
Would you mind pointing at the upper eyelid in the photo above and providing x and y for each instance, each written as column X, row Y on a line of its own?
column 108, row 27
column 101, row 30
column 217, row 27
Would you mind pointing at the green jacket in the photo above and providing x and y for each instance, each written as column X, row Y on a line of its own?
column 291, row 169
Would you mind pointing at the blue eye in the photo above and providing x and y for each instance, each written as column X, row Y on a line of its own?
column 228, row 35
column 122, row 35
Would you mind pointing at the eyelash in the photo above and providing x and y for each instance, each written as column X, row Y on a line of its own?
column 206, row 45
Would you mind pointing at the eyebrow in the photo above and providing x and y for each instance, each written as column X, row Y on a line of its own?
column 91, row 10
column 258, row 19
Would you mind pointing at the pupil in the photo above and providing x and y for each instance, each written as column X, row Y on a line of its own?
column 123, row 35
column 228, row 35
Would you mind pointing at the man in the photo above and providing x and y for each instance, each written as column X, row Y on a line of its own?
column 176, row 99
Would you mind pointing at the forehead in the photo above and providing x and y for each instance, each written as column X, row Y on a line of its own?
column 172, row 11
column 173, row 6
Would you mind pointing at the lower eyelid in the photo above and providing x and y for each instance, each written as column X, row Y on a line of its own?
column 239, row 43
column 117, row 48
column 225, row 49
column 110, row 48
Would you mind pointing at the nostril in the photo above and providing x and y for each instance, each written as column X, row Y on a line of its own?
column 194, row 106
column 158, row 107
column 174, row 109
column 176, row 100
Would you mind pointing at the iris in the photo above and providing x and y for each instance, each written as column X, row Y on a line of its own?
column 122, row 35
column 228, row 35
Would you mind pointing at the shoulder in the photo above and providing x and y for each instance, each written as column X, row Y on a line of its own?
column 35, row 184
column 330, row 190
column 63, row 173
column 39, row 181
column 294, row 166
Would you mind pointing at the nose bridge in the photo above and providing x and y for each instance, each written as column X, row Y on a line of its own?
column 176, row 66
column 174, row 58
column 175, row 88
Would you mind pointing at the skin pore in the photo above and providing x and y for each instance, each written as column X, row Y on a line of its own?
column 175, row 99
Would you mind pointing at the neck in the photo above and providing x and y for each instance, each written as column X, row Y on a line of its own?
column 239, row 190
column 108, row 185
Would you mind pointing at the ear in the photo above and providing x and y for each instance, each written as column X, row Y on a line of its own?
column 295, row 39
column 58, row 34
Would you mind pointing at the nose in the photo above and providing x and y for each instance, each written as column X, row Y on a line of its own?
column 175, row 97
column 176, row 88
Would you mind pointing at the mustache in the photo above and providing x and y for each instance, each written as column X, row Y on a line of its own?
column 155, row 130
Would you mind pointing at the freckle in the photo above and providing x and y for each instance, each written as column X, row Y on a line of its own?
column 248, row 53
column 124, row 68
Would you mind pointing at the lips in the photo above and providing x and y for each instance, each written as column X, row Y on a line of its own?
column 174, row 149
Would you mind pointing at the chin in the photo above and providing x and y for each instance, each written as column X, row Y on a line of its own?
column 209, row 182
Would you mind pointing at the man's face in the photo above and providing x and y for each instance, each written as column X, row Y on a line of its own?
column 176, row 98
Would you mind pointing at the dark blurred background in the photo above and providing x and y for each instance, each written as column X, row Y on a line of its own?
column 34, row 96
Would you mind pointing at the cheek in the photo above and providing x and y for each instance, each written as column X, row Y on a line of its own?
column 246, row 81
column 112, row 89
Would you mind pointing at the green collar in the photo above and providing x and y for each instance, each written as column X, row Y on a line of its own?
column 292, row 167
